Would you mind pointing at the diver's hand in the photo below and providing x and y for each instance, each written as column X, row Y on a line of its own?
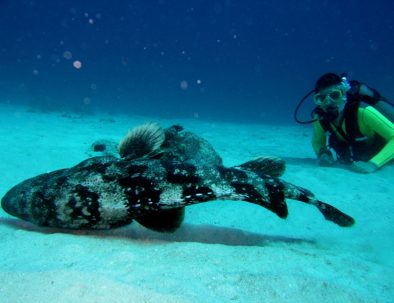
column 325, row 157
column 363, row 167
column 326, row 160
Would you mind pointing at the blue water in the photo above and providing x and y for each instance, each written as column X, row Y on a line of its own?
column 244, row 61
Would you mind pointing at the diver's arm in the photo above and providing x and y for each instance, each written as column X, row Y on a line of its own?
column 324, row 155
column 319, row 138
column 373, row 119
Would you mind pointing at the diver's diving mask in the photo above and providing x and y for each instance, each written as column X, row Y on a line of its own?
column 332, row 96
column 330, row 101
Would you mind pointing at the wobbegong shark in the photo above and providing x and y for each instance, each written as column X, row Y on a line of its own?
column 156, row 174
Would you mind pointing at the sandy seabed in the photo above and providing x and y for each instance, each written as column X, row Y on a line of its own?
column 226, row 251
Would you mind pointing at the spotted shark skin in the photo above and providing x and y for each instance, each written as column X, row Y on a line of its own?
column 107, row 192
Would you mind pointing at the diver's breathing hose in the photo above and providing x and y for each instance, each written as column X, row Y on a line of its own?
column 298, row 107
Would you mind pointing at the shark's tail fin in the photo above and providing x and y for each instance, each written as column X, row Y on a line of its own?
column 278, row 191
column 328, row 211
column 333, row 214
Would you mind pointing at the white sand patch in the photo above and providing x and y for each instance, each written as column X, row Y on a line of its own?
column 68, row 286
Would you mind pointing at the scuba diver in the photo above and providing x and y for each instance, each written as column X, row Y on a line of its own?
column 353, row 120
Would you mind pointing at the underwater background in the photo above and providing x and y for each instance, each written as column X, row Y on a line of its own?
column 74, row 73
column 239, row 61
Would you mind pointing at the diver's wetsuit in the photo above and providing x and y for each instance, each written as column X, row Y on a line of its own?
column 375, row 143
column 366, row 131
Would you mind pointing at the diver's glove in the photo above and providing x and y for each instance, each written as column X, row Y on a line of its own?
column 363, row 167
column 325, row 157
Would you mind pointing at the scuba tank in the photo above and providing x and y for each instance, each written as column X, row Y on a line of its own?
column 386, row 108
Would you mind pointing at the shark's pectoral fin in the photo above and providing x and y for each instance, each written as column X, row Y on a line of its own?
column 168, row 220
column 335, row 215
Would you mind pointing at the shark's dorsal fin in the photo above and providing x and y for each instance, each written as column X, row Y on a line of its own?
column 142, row 141
column 265, row 165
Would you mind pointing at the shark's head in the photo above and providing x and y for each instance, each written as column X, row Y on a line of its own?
column 15, row 201
column 26, row 201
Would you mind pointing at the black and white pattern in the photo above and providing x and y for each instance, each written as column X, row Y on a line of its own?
column 106, row 192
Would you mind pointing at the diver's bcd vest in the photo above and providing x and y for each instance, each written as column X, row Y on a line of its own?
column 354, row 147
